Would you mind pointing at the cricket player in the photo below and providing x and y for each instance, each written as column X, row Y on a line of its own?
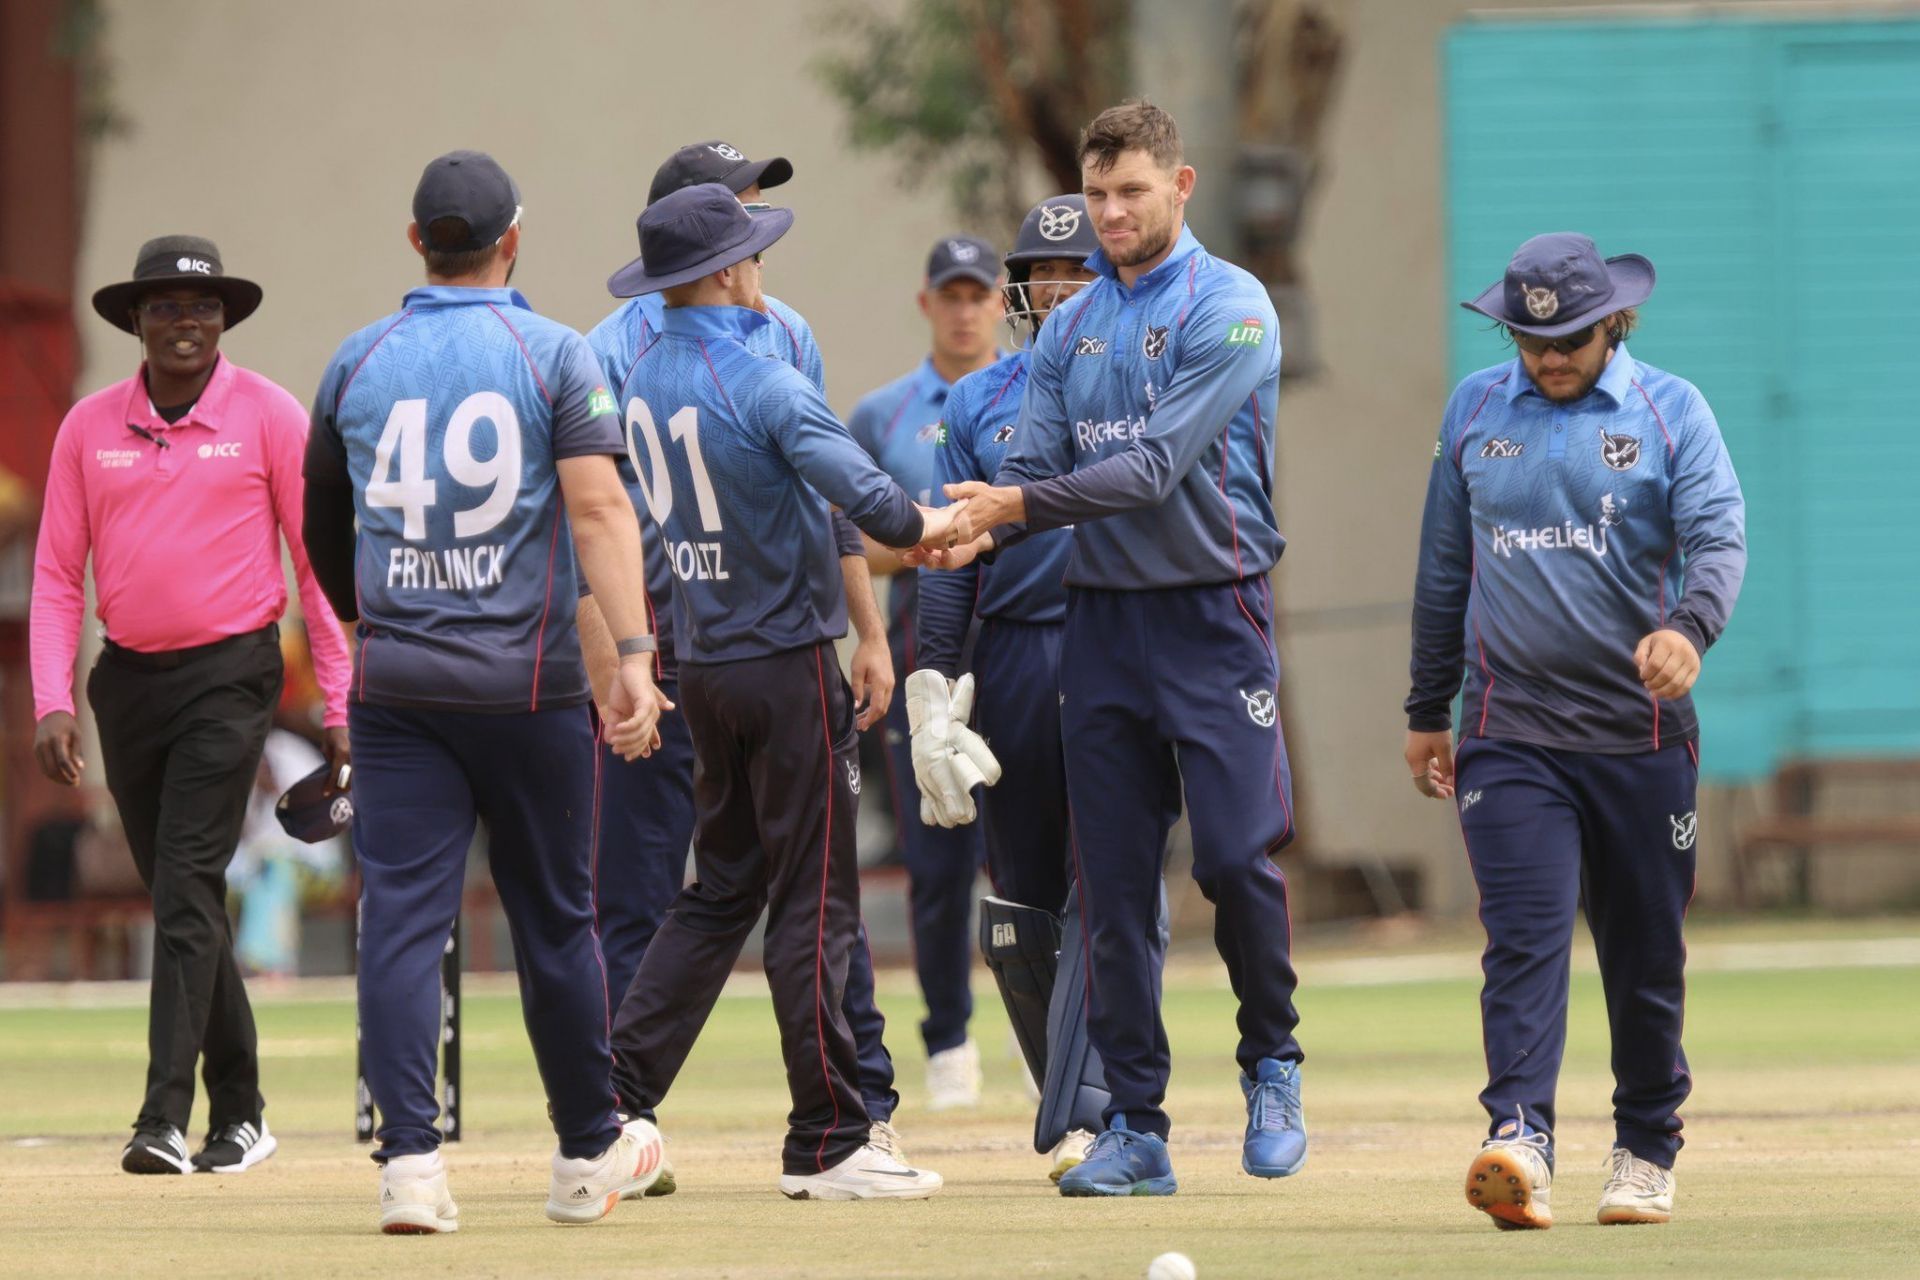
column 742, row 456
column 897, row 424
column 645, row 807
column 469, row 436
column 1147, row 425
column 1583, row 544
column 1021, row 604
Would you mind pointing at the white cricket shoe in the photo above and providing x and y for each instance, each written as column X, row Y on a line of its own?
column 414, row 1200
column 586, row 1190
column 1070, row 1151
column 953, row 1078
column 867, row 1174
column 1512, row 1183
column 1637, row 1191
column 884, row 1138
column 665, row 1185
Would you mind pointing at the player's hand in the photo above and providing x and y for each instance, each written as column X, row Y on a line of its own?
column 958, row 557
column 1668, row 664
column 338, row 749
column 949, row 759
column 943, row 527
column 635, row 705
column 992, row 504
column 872, row 680
column 1430, row 763
column 56, row 746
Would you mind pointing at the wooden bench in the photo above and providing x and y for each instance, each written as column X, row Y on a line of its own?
column 1797, row 827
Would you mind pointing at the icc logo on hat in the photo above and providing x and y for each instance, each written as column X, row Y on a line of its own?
column 194, row 265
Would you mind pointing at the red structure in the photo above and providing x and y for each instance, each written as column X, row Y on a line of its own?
column 40, row 197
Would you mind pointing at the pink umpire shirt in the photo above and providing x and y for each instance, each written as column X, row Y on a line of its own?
column 185, row 538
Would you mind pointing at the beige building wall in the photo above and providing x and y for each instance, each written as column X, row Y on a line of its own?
column 292, row 133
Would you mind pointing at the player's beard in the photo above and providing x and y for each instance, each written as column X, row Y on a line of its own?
column 1150, row 243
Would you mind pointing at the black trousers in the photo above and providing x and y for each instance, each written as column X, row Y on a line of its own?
column 776, row 782
column 181, row 734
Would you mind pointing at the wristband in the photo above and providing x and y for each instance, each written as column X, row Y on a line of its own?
column 637, row 644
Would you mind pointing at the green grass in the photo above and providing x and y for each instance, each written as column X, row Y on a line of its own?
column 1804, row 1130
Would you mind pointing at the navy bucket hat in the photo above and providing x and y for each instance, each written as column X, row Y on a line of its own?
column 694, row 232
column 1557, row 284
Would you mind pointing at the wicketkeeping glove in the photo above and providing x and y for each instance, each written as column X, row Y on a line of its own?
column 949, row 759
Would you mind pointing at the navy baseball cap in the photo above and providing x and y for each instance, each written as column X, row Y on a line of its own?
column 963, row 258
column 1557, row 283
column 693, row 232
column 716, row 161
column 312, row 811
column 471, row 186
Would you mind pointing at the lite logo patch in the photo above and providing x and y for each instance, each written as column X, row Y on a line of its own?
column 1250, row 332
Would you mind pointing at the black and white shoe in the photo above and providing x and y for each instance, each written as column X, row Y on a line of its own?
column 236, row 1148
column 157, row 1147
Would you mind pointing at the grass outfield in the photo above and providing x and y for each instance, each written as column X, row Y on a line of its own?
column 1804, row 1133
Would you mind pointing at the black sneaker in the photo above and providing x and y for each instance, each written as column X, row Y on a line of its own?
column 236, row 1148
column 157, row 1147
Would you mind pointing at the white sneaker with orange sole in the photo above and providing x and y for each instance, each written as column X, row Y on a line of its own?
column 1637, row 1191
column 584, row 1191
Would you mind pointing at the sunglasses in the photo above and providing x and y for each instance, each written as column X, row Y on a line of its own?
column 166, row 309
column 1566, row 345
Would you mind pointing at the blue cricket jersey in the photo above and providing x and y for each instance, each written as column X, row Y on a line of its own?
column 448, row 418
column 617, row 342
column 1148, row 425
column 897, row 424
column 738, row 456
column 1024, row 582
column 1555, row 537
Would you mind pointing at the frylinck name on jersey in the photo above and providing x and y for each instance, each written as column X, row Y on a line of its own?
column 454, row 569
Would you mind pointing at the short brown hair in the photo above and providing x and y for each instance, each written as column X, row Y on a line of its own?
column 1134, row 125
column 459, row 264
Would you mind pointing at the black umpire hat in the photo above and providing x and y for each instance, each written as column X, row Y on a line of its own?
column 716, row 161
column 312, row 811
column 172, row 262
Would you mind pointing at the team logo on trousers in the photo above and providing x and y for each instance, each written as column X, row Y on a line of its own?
column 1261, row 707
column 1619, row 452
column 1684, row 826
column 853, row 775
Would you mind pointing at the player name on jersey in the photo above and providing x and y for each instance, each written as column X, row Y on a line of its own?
column 449, row 569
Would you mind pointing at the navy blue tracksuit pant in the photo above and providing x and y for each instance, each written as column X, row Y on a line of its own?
column 645, row 819
column 942, row 865
column 1168, row 691
column 776, row 789
column 1016, row 667
column 1545, row 830
column 421, row 778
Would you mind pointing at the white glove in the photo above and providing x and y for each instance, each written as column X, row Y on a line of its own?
column 949, row 759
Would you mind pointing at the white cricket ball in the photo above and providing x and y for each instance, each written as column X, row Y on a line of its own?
column 1171, row 1266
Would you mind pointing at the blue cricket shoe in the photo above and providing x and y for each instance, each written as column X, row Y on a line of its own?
column 1122, row 1163
column 1276, row 1130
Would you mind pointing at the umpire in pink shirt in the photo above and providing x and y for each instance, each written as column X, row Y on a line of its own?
column 180, row 482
